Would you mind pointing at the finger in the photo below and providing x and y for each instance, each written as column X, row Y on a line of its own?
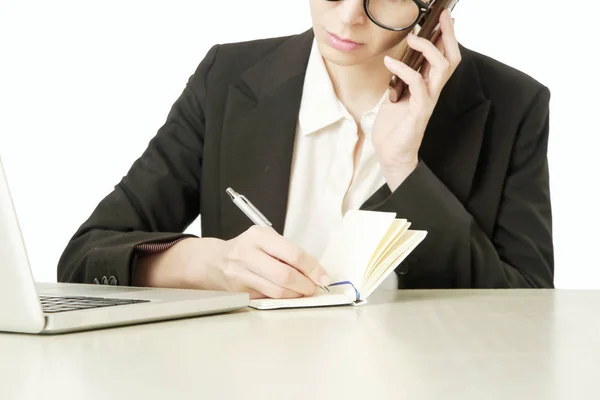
column 416, row 85
column 439, row 66
column 280, row 274
column 428, row 49
column 254, row 294
column 426, row 70
column 449, row 39
column 259, row 287
column 288, row 252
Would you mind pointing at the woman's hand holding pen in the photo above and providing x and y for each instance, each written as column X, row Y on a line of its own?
column 259, row 261
column 399, row 127
column 265, row 264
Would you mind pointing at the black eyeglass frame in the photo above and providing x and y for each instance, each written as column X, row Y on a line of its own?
column 423, row 9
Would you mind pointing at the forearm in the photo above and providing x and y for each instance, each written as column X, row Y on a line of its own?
column 456, row 252
column 94, row 254
column 154, row 202
column 106, row 244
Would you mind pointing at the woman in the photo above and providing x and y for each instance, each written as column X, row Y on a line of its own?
column 303, row 126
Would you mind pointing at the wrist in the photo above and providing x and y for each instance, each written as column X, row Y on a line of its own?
column 151, row 270
column 200, row 261
column 187, row 264
column 397, row 174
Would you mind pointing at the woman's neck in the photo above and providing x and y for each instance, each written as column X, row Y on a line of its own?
column 360, row 87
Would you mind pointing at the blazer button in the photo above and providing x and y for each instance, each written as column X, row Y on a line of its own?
column 112, row 280
column 403, row 268
column 104, row 280
column 96, row 281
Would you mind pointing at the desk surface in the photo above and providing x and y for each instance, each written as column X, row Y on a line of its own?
column 517, row 344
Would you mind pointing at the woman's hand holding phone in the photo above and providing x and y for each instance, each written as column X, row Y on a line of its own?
column 400, row 126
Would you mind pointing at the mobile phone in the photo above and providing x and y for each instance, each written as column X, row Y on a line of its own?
column 430, row 29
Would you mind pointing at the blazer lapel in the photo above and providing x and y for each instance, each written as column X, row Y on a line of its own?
column 259, row 133
column 453, row 138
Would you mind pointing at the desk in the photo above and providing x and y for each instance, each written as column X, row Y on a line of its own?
column 517, row 344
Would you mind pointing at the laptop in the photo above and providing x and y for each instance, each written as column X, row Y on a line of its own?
column 33, row 307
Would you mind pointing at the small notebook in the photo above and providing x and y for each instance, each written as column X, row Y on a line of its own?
column 366, row 248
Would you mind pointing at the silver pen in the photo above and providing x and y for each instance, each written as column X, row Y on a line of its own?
column 252, row 212
column 248, row 208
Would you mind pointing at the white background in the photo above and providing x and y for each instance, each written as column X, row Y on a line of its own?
column 85, row 84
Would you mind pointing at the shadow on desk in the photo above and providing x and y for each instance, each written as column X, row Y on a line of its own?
column 437, row 295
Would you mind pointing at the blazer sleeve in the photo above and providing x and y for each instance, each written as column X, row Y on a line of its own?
column 456, row 252
column 153, row 203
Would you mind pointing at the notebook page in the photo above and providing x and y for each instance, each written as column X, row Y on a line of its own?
column 410, row 240
column 347, row 255
column 351, row 246
column 399, row 226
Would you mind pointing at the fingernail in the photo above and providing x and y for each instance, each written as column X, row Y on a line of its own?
column 325, row 280
column 390, row 60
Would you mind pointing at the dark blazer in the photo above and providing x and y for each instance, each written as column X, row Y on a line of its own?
column 481, row 188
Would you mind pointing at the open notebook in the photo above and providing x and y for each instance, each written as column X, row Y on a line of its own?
column 368, row 246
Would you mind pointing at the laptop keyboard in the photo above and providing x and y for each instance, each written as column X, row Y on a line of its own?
column 55, row 304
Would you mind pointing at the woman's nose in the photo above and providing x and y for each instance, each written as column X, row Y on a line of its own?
column 352, row 12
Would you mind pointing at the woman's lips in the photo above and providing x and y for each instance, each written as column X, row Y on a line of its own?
column 340, row 44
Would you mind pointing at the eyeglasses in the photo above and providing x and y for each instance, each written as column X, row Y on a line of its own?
column 396, row 15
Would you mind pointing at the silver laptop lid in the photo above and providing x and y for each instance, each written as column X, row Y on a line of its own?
column 20, row 309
